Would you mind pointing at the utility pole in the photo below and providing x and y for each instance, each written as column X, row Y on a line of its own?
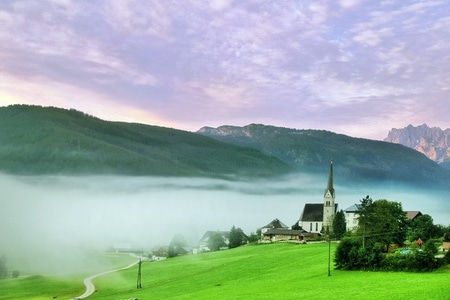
column 329, row 251
column 139, row 278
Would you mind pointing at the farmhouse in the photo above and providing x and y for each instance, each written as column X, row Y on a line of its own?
column 318, row 216
column 204, row 241
column 282, row 234
column 160, row 251
column 275, row 224
column 351, row 217
column 412, row 215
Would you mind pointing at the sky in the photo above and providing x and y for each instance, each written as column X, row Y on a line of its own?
column 357, row 67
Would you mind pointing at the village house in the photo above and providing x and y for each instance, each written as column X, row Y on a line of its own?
column 203, row 244
column 272, row 225
column 413, row 214
column 285, row 235
column 160, row 251
column 277, row 231
column 351, row 217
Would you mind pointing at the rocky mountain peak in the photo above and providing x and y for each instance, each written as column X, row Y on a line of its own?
column 431, row 141
column 226, row 130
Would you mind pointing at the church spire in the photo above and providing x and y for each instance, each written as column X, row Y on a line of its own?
column 329, row 207
column 330, row 187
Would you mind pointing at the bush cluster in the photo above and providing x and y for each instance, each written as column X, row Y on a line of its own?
column 418, row 261
column 351, row 255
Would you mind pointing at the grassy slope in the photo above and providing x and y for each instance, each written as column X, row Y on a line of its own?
column 37, row 140
column 39, row 287
column 278, row 271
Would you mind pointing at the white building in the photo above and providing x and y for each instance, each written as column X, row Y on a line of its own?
column 351, row 217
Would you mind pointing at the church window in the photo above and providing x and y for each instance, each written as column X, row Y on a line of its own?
column 317, row 226
column 310, row 226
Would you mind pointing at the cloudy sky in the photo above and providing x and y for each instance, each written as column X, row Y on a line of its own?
column 358, row 67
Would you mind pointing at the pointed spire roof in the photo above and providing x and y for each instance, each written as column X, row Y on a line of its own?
column 330, row 181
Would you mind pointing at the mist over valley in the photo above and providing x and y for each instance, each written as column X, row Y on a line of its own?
column 52, row 224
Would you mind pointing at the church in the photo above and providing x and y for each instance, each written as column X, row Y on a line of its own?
column 318, row 216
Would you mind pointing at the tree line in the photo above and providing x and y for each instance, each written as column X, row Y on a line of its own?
column 383, row 229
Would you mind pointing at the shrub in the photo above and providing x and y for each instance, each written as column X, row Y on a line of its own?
column 447, row 257
column 350, row 255
column 347, row 253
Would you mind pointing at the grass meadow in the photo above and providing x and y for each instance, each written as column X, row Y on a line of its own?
column 40, row 287
column 274, row 271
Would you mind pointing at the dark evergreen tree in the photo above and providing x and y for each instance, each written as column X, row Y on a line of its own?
column 296, row 226
column 237, row 237
column 178, row 242
column 216, row 241
column 339, row 225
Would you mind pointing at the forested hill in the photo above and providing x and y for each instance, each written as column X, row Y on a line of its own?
column 356, row 159
column 47, row 140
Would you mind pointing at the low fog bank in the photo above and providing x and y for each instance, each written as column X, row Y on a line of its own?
column 51, row 224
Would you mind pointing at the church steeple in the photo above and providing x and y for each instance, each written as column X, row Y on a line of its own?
column 329, row 208
column 330, row 188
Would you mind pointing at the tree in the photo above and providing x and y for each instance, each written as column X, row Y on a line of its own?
column 3, row 268
column 237, row 237
column 447, row 235
column 253, row 237
column 339, row 225
column 178, row 242
column 296, row 226
column 423, row 227
column 381, row 221
column 215, row 241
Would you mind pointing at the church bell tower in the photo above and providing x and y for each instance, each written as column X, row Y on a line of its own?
column 329, row 208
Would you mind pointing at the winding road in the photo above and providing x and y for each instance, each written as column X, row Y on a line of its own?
column 90, row 287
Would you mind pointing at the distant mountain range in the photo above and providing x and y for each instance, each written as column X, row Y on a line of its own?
column 357, row 160
column 433, row 142
column 38, row 140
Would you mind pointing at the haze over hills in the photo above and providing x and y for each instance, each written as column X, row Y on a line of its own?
column 48, row 140
column 433, row 142
column 359, row 160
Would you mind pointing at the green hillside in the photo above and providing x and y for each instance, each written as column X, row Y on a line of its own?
column 357, row 159
column 275, row 271
column 38, row 140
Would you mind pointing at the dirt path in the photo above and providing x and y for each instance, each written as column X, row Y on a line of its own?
column 90, row 287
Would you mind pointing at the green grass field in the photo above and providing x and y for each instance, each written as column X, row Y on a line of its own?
column 39, row 287
column 276, row 271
